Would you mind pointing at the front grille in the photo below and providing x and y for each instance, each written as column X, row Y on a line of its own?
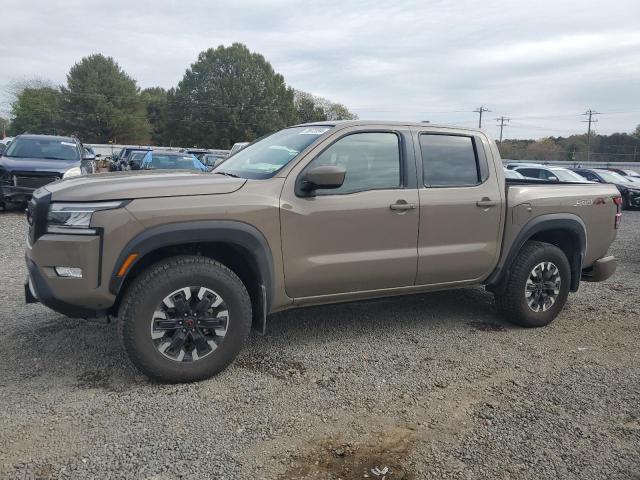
column 33, row 182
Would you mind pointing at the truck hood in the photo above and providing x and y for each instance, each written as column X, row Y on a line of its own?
column 141, row 184
column 36, row 165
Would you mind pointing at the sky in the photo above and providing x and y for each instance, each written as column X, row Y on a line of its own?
column 540, row 63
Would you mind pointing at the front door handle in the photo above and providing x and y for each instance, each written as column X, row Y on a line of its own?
column 486, row 202
column 402, row 205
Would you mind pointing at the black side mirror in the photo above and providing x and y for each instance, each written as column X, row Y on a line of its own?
column 323, row 176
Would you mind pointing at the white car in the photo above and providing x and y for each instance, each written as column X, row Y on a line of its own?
column 554, row 174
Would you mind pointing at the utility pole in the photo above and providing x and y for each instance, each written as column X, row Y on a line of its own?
column 503, row 123
column 590, row 113
column 480, row 110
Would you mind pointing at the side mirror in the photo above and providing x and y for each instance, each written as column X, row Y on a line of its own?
column 553, row 179
column 88, row 156
column 324, row 176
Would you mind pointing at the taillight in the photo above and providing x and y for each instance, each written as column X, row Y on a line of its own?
column 618, row 202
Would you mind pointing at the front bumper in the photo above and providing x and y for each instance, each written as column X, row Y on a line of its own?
column 601, row 269
column 12, row 194
column 36, row 289
column 633, row 199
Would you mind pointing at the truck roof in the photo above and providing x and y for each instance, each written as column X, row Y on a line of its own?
column 335, row 123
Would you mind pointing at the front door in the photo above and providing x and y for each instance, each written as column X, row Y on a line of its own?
column 361, row 236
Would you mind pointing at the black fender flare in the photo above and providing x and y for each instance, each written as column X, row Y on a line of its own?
column 553, row 221
column 231, row 232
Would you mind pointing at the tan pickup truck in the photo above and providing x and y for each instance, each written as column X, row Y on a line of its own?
column 312, row 214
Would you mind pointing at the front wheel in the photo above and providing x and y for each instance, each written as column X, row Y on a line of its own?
column 184, row 319
column 538, row 286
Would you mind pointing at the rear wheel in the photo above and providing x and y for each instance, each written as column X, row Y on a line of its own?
column 184, row 319
column 538, row 286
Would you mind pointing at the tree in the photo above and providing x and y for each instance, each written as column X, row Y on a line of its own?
column 310, row 108
column 228, row 95
column 37, row 109
column 307, row 108
column 155, row 100
column 102, row 103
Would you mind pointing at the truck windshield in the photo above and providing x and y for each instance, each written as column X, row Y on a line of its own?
column 264, row 158
column 48, row 148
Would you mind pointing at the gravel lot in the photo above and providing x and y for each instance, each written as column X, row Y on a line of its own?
column 429, row 386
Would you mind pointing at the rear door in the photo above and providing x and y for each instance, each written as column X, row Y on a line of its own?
column 461, row 208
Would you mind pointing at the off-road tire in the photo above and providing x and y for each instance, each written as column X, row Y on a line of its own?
column 157, row 281
column 512, row 301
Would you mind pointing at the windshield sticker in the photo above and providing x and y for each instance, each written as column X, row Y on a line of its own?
column 68, row 144
column 315, row 131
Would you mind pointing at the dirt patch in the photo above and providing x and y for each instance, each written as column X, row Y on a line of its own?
column 487, row 326
column 383, row 456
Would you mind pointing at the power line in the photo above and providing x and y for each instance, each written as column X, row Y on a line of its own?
column 480, row 110
column 503, row 122
column 590, row 113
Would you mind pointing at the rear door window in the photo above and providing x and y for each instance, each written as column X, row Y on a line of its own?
column 449, row 161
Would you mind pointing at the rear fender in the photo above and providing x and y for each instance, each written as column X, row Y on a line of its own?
column 570, row 225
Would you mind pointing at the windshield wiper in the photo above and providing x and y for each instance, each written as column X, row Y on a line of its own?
column 228, row 174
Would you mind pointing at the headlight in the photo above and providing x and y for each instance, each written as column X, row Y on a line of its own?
column 75, row 217
column 72, row 172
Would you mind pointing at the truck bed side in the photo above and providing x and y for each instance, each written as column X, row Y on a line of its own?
column 589, row 204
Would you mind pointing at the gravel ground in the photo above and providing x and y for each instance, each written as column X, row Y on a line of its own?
column 428, row 386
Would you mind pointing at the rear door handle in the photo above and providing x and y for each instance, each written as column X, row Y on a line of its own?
column 402, row 205
column 486, row 202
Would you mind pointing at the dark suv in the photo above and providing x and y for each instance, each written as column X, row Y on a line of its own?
column 629, row 190
column 31, row 161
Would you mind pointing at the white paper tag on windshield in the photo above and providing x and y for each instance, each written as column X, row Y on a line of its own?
column 68, row 144
column 315, row 130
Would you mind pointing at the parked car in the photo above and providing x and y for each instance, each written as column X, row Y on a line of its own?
column 163, row 160
column 554, row 174
column 121, row 162
column 237, row 147
column 212, row 160
column 513, row 174
column 312, row 214
column 625, row 172
column 31, row 161
column 135, row 160
column 514, row 165
column 629, row 190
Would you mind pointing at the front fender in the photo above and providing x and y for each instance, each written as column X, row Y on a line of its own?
column 225, row 231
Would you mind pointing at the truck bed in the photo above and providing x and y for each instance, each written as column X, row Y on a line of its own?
column 592, row 203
